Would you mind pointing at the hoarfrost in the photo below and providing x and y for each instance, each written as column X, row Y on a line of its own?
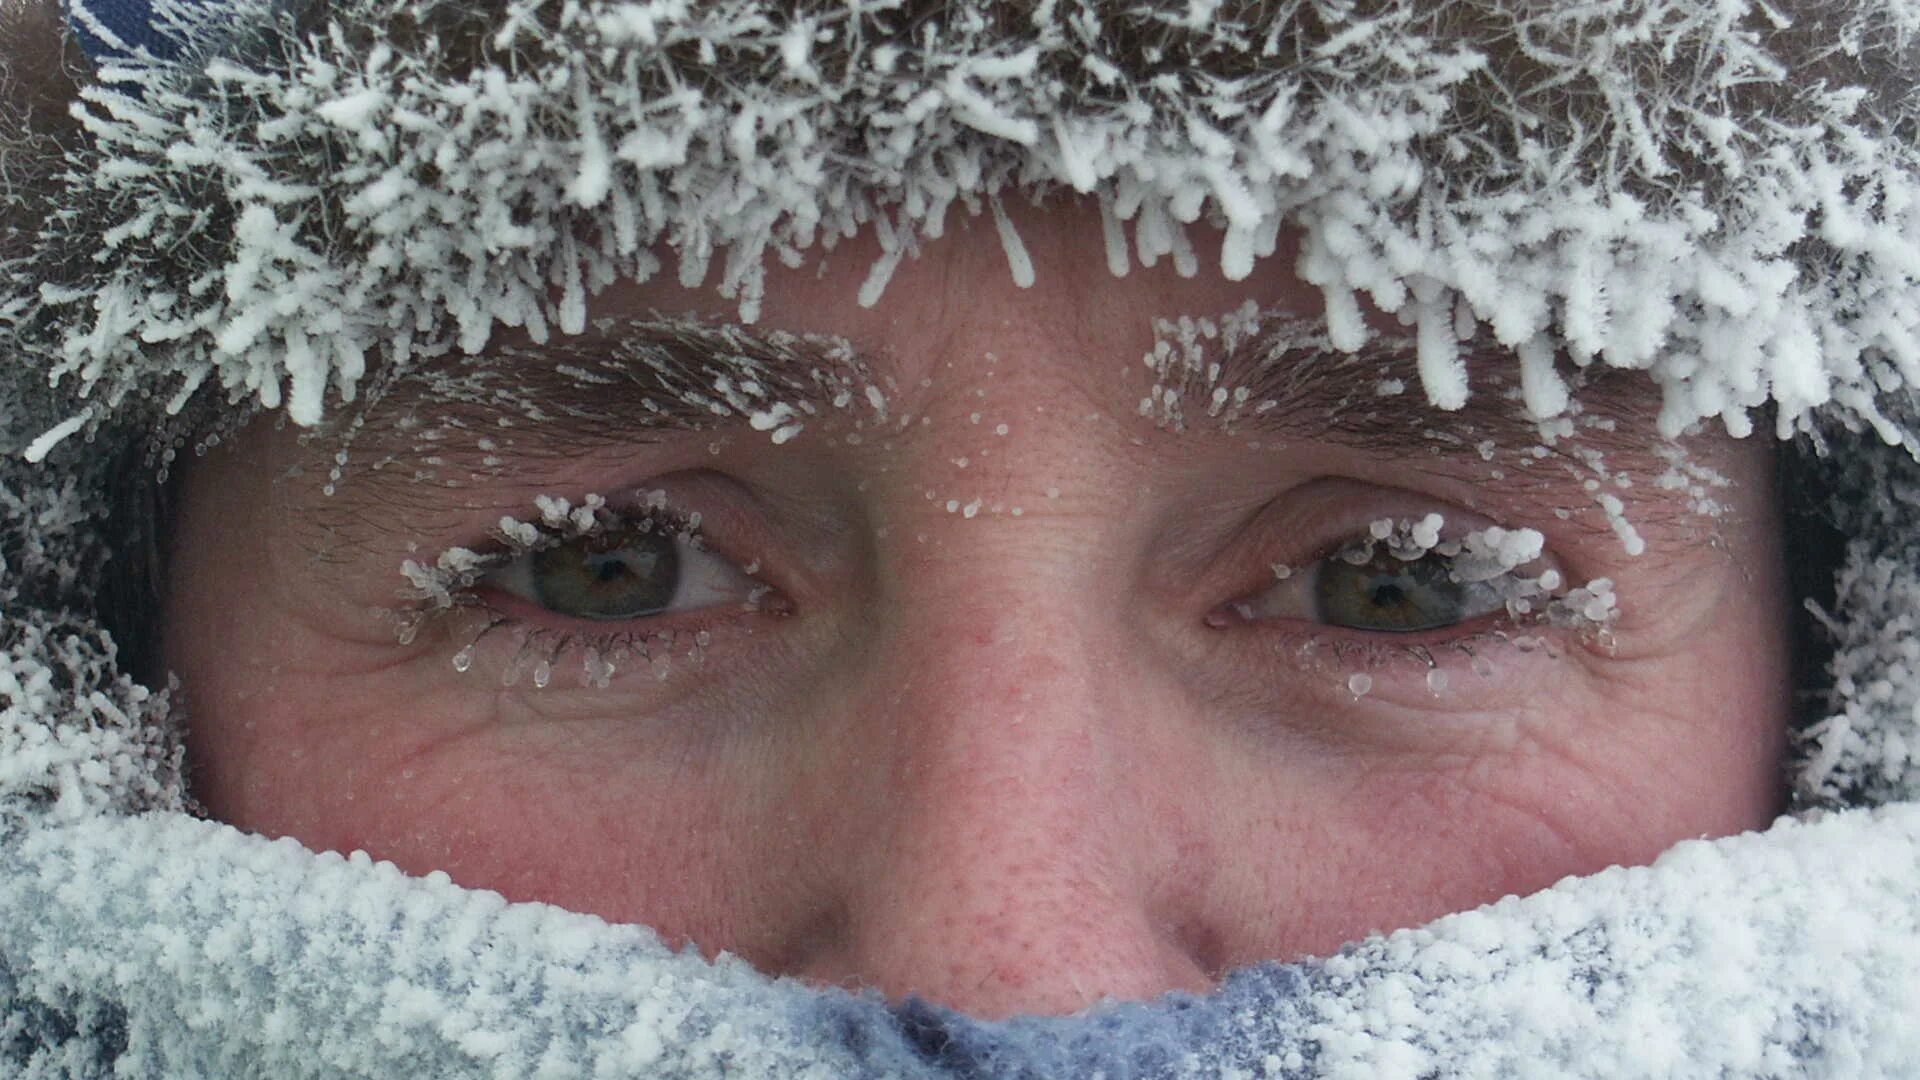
column 456, row 228
column 1599, row 202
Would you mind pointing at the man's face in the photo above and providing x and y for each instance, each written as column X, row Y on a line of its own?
column 985, row 680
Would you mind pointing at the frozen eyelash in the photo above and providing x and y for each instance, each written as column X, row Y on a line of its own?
column 539, row 656
column 449, row 580
column 1491, row 558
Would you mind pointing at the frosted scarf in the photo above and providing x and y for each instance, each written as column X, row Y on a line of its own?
column 1726, row 196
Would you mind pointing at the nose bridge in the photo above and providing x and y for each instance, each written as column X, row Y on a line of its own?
column 1010, row 876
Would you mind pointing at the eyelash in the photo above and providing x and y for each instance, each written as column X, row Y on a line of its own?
column 457, row 584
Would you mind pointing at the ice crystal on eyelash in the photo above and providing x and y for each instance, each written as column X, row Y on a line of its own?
column 441, row 584
column 521, row 533
column 1591, row 606
column 1488, row 559
column 1493, row 553
column 558, row 513
column 455, row 569
column 1426, row 532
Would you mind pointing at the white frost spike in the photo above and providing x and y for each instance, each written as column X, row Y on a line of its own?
column 892, row 247
column 1541, row 387
column 39, row 448
column 1119, row 259
column 1346, row 326
column 1236, row 254
column 1442, row 370
column 1073, row 162
column 879, row 276
column 973, row 109
column 1799, row 382
column 595, row 174
column 353, row 112
column 1019, row 263
column 796, row 51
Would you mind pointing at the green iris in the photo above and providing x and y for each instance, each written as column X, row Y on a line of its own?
column 1388, row 594
column 623, row 573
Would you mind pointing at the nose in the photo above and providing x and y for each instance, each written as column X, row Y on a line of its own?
column 1020, row 865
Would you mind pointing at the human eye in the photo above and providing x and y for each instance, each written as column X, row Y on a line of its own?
column 594, row 587
column 1408, row 577
column 623, row 568
column 1418, row 610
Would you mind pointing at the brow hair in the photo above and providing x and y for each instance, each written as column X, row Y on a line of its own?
column 623, row 381
column 1283, row 378
column 632, row 382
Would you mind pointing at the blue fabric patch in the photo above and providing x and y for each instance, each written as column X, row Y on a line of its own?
column 124, row 29
column 1254, row 1023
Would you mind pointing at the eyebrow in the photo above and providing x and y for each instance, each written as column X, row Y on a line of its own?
column 634, row 381
column 1284, row 376
column 629, row 380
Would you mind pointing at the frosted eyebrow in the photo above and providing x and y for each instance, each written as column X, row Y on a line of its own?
column 631, row 381
column 1290, row 382
column 625, row 381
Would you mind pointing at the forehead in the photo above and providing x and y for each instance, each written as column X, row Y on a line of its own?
column 1033, row 286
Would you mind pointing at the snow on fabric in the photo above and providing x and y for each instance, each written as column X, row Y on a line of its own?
column 1721, row 194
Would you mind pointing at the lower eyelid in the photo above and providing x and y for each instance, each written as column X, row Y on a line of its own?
column 504, row 642
column 1474, row 656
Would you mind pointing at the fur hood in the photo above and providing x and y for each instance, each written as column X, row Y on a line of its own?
column 254, row 201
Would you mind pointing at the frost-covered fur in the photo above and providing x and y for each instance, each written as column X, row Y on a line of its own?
column 1720, row 192
column 1724, row 194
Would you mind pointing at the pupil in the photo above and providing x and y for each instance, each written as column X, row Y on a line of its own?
column 1389, row 594
column 608, row 567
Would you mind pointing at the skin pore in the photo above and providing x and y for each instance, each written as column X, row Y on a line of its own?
column 959, row 695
